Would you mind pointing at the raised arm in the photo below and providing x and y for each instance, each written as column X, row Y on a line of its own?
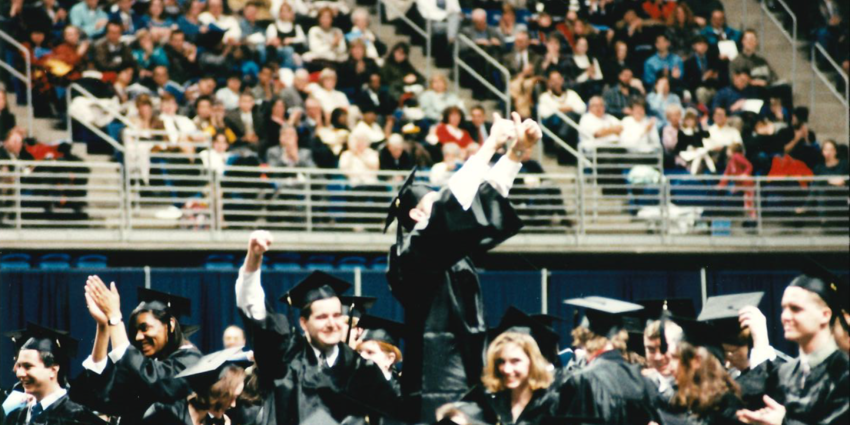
column 250, row 297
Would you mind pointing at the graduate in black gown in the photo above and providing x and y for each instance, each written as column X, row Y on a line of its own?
column 216, row 382
column 134, row 375
column 815, row 387
column 380, row 342
column 517, row 377
column 317, row 372
column 41, row 367
column 432, row 276
column 608, row 388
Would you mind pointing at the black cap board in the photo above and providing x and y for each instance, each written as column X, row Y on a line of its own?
column 317, row 286
column 605, row 316
column 547, row 319
column 703, row 334
column 676, row 307
column 356, row 306
column 40, row 338
column 409, row 195
column 382, row 330
column 515, row 320
column 728, row 306
column 208, row 370
column 17, row 337
column 175, row 305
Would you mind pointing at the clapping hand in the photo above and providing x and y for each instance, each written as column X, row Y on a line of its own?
column 102, row 302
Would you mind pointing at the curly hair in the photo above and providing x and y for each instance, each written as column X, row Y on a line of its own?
column 702, row 380
column 539, row 375
column 220, row 395
column 591, row 342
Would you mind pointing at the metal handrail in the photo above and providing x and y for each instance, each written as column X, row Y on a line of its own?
column 504, row 95
column 27, row 79
column 792, row 38
column 560, row 142
column 845, row 101
column 426, row 32
column 112, row 111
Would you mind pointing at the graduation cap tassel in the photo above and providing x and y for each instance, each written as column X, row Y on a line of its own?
column 664, row 313
column 350, row 323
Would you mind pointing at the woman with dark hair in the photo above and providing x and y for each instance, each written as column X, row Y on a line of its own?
column 449, row 129
column 335, row 135
column 681, row 29
column 134, row 374
column 7, row 119
column 829, row 197
column 398, row 72
column 706, row 391
column 216, row 384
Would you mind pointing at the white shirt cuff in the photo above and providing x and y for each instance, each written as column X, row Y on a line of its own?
column 502, row 175
column 250, row 297
column 464, row 184
column 759, row 356
column 96, row 367
column 117, row 353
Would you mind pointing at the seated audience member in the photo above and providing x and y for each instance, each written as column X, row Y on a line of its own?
column 215, row 16
column 360, row 31
column 360, row 162
column 296, row 94
column 13, row 146
column 253, row 35
column 110, row 54
column 326, row 93
column 508, row 27
column 204, row 115
column 452, row 161
column 826, row 196
column 737, row 165
column 449, row 130
column 703, row 70
column 355, row 71
column 287, row 153
column 718, row 31
column 435, row 100
column 71, row 52
column 374, row 96
column 670, row 135
column 233, row 337
column 264, row 90
column 597, row 127
column 660, row 99
column 768, row 140
column 478, row 127
column 721, row 134
column 160, row 84
column 246, row 121
column 394, row 156
column 618, row 96
column 586, row 69
column 690, row 148
column 555, row 59
column 215, row 159
column 182, row 58
column 334, row 132
column 559, row 100
column 681, row 29
column 369, row 124
column 87, row 16
column 663, row 63
column 229, row 94
column 286, row 38
column 734, row 97
column 326, row 42
column 640, row 133
column 803, row 144
column 761, row 74
column 7, row 118
column 180, row 128
column 483, row 35
column 399, row 74
column 521, row 55
column 145, row 120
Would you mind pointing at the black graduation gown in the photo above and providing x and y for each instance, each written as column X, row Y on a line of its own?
column 753, row 384
column 61, row 412
column 176, row 413
column 612, row 390
column 129, row 387
column 824, row 398
column 724, row 413
column 434, row 279
column 544, row 403
column 294, row 385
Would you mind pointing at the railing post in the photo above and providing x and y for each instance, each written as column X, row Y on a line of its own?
column 428, row 49
column 18, row 195
column 68, row 98
column 761, row 31
column 126, row 183
column 580, row 202
column 309, row 201
column 213, row 193
column 595, row 184
column 812, row 84
column 30, row 108
column 455, row 66
column 759, row 223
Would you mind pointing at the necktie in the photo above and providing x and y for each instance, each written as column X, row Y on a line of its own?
column 323, row 361
column 805, row 369
column 35, row 412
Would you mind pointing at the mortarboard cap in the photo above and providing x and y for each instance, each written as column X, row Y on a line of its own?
column 676, row 307
column 17, row 337
column 382, row 330
column 175, row 305
column 703, row 334
column 727, row 306
column 357, row 305
column 40, row 338
column 409, row 195
column 208, row 370
column 317, row 286
column 831, row 288
column 515, row 320
column 606, row 316
column 547, row 319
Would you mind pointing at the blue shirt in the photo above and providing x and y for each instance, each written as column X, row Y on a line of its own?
column 84, row 18
column 656, row 64
column 727, row 34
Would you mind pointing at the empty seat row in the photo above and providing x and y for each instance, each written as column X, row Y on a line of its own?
column 295, row 262
column 58, row 261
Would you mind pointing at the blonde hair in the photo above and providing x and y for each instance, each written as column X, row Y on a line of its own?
column 539, row 375
column 591, row 342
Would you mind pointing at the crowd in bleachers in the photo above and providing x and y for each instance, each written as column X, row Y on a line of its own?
column 309, row 84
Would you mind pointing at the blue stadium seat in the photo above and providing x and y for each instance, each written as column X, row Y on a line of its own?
column 17, row 261
column 320, row 262
column 219, row 262
column 240, row 260
column 54, row 262
column 92, row 261
column 351, row 263
column 379, row 263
